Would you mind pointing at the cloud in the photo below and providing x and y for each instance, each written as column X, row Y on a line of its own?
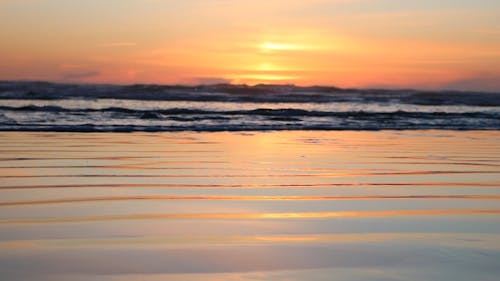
column 79, row 75
column 209, row 80
column 484, row 82
column 117, row 44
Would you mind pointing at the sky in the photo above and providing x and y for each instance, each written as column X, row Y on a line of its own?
column 425, row 44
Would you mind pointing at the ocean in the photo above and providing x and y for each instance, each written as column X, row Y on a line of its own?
column 41, row 106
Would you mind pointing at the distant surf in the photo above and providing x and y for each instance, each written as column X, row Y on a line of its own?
column 43, row 106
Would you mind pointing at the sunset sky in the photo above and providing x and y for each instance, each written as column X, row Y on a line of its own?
column 427, row 44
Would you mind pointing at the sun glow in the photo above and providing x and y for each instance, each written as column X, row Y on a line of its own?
column 314, row 42
column 270, row 46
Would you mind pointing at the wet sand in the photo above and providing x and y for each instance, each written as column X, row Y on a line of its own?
column 291, row 205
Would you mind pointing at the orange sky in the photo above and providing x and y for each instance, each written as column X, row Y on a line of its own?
column 349, row 43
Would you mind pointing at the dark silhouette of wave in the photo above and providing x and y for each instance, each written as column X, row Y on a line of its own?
column 243, row 93
column 43, row 106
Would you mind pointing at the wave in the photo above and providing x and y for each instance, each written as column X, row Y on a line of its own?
column 106, row 108
column 237, row 128
column 118, row 119
column 281, row 112
column 243, row 93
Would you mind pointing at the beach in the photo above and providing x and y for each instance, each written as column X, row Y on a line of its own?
column 250, row 205
column 237, row 140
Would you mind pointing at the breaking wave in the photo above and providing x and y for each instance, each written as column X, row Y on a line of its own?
column 37, row 106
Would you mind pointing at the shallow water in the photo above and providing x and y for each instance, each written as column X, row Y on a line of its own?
column 289, row 205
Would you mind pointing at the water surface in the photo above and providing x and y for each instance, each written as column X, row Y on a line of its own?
column 288, row 205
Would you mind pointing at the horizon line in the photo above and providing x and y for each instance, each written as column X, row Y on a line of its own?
column 187, row 85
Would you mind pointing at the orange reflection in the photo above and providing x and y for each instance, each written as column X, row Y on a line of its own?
column 479, row 240
column 251, row 216
column 245, row 198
